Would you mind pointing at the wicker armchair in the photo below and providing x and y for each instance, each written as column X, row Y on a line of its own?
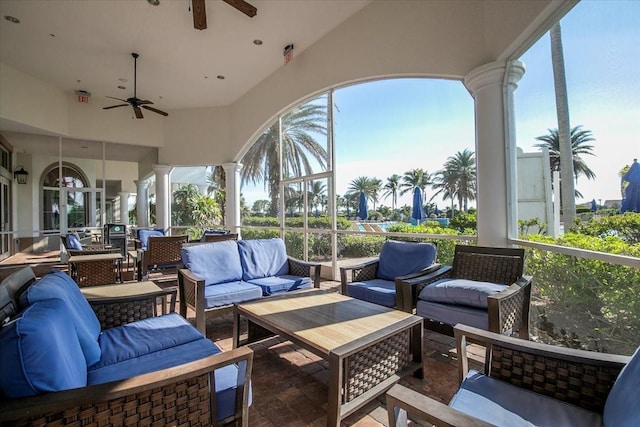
column 161, row 256
column 504, row 312
column 180, row 395
column 390, row 280
column 524, row 379
column 86, row 249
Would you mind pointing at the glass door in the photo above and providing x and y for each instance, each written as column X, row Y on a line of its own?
column 5, row 220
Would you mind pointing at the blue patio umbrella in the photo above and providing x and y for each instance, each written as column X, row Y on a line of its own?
column 416, row 212
column 362, row 207
column 631, row 201
column 594, row 205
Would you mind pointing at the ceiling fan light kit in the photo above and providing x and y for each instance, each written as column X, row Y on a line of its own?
column 135, row 102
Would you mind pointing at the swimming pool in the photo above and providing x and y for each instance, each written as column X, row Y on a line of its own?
column 374, row 226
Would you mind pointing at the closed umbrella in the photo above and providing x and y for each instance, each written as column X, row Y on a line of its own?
column 416, row 212
column 436, row 211
column 362, row 208
column 594, row 205
column 631, row 201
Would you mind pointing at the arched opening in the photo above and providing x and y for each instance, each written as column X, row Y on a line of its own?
column 65, row 200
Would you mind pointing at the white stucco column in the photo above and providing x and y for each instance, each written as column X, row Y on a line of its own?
column 124, row 207
column 232, row 207
column 142, row 204
column 495, row 149
column 163, row 198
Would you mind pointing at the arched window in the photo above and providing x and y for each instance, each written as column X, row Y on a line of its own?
column 76, row 202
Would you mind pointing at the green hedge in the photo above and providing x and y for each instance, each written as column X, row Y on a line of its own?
column 608, row 293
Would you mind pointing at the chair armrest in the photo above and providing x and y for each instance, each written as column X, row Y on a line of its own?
column 407, row 290
column 191, row 288
column 186, row 383
column 406, row 286
column 402, row 401
column 509, row 309
column 298, row 267
column 359, row 272
column 116, row 311
column 594, row 375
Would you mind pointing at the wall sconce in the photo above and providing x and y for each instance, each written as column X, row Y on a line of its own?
column 21, row 175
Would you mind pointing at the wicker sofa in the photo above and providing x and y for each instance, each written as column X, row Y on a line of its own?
column 59, row 367
column 529, row 384
column 220, row 274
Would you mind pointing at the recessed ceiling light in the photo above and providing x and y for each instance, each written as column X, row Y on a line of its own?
column 79, row 81
column 12, row 19
column 160, row 97
column 85, row 146
column 121, row 87
column 257, row 42
column 206, row 77
column 52, row 35
column 123, row 80
column 221, row 77
column 154, row 2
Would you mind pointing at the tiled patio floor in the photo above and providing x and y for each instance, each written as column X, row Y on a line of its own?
column 290, row 383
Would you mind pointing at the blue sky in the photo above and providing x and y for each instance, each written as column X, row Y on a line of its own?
column 391, row 126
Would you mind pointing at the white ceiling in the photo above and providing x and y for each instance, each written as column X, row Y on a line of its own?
column 87, row 45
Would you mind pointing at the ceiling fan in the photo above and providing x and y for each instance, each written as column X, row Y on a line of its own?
column 136, row 102
column 200, row 13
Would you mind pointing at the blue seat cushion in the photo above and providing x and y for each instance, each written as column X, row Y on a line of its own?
column 503, row 404
column 276, row 284
column 263, row 258
column 230, row 293
column 451, row 314
column 460, row 291
column 144, row 337
column 74, row 242
column 377, row 291
column 402, row 258
column 144, row 235
column 38, row 354
column 217, row 262
column 59, row 285
column 621, row 408
column 226, row 378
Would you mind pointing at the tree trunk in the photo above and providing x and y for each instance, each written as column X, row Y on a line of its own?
column 567, row 175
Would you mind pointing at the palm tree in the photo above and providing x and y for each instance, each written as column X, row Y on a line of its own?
column 391, row 188
column 317, row 190
column 567, row 175
column 457, row 179
column 415, row 178
column 361, row 184
column 375, row 189
column 579, row 146
column 299, row 148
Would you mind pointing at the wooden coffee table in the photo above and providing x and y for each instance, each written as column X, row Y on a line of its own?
column 369, row 347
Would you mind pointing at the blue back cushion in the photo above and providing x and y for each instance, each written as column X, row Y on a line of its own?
column 217, row 262
column 60, row 286
column 74, row 242
column 144, row 235
column 38, row 354
column 402, row 258
column 263, row 258
column 621, row 408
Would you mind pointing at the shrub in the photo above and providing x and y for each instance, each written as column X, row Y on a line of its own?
column 625, row 226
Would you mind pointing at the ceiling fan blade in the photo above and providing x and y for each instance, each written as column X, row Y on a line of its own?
column 143, row 101
column 243, row 7
column 119, row 99
column 115, row 106
column 138, row 112
column 199, row 14
column 155, row 110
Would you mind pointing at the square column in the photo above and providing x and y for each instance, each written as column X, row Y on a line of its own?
column 232, row 188
column 163, row 197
